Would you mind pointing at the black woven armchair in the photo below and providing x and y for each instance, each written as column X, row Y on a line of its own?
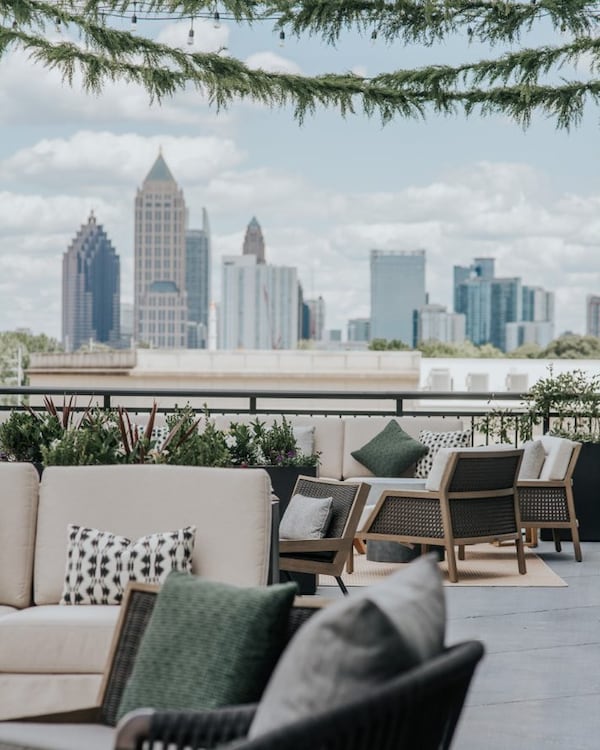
column 476, row 502
column 418, row 709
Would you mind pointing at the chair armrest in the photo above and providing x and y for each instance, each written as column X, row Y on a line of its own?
column 183, row 729
column 538, row 483
column 311, row 545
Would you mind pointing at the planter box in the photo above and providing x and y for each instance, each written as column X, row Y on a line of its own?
column 586, row 493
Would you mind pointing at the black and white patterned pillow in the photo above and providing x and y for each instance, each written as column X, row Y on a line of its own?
column 436, row 440
column 100, row 564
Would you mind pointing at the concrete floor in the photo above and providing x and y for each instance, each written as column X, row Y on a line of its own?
column 538, row 686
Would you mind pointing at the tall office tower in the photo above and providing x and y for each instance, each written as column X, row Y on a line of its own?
column 359, row 329
column 474, row 302
column 482, row 269
column 528, row 332
column 538, row 304
column 317, row 318
column 160, row 297
column 437, row 324
column 254, row 243
column 197, row 283
column 592, row 315
column 90, row 289
column 397, row 293
column 259, row 305
column 505, row 307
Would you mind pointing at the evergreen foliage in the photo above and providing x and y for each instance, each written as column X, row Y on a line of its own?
column 516, row 82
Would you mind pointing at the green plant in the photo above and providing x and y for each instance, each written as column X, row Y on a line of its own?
column 279, row 447
column 186, row 445
column 25, row 433
column 566, row 405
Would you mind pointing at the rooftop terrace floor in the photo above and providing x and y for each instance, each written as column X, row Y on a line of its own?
column 538, row 685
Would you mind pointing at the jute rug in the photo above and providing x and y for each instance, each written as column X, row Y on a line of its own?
column 484, row 565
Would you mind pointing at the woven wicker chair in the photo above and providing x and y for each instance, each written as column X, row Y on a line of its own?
column 329, row 555
column 549, row 504
column 476, row 502
column 418, row 709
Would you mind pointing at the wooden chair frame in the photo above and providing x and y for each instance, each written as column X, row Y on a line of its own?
column 549, row 504
column 457, row 514
column 301, row 556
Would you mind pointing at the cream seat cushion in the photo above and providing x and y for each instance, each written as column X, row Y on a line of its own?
column 6, row 610
column 57, row 639
column 57, row 736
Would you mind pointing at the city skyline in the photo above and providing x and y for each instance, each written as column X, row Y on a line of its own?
column 326, row 193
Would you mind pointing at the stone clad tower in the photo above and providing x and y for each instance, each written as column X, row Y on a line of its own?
column 160, row 298
column 254, row 242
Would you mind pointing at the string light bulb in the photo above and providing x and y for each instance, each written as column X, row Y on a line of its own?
column 281, row 38
column 217, row 20
column 190, row 39
column 134, row 17
column 57, row 24
column 373, row 36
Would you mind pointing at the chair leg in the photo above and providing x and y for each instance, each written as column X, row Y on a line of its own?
column 342, row 585
column 576, row 544
column 556, row 538
column 360, row 546
column 452, row 569
column 520, row 555
column 531, row 537
column 350, row 561
column 461, row 551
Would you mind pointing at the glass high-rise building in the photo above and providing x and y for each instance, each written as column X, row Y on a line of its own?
column 160, row 297
column 90, row 289
column 197, row 283
column 397, row 294
column 254, row 242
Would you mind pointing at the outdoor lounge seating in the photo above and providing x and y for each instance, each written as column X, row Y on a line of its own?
column 470, row 497
column 329, row 554
column 547, row 502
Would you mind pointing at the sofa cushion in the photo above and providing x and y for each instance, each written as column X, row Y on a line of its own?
column 534, row 456
column 61, row 736
column 558, row 454
column 100, row 564
column 306, row 518
column 391, row 452
column 133, row 501
column 356, row 644
column 56, row 639
column 436, row 440
column 208, row 644
column 358, row 430
column 19, row 484
column 305, row 438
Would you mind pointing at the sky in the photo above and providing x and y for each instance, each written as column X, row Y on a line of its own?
column 325, row 193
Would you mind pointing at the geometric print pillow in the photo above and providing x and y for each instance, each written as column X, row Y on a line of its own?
column 436, row 440
column 100, row 564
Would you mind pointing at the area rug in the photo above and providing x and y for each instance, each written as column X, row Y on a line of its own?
column 485, row 565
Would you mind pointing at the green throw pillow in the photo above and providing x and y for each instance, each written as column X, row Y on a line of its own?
column 391, row 452
column 208, row 644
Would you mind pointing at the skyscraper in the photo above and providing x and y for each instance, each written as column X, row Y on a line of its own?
column 197, row 283
column 254, row 243
column 505, row 307
column 160, row 297
column 316, row 323
column 90, row 289
column 592, row 315
column 397, row 293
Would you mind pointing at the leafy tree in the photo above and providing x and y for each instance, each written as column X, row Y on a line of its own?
column 380, row 345
column 28, row 343
column 516, row 83
column 464, row 350
column 526, row 351
column 572, row 346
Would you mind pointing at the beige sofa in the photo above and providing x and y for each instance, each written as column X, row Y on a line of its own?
column 51, row 655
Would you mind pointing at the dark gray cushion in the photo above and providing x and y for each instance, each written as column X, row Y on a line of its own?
column 390, row 452
column 208, row 644
column 306, row 518
column 355, row 644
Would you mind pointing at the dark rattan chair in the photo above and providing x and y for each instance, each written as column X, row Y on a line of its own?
column 476, row 502
column 329, row 555
column 549, row 504
column 417, row 709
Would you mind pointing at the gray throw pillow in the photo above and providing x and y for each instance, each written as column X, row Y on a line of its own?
column 533, row 459
column 355, row 644
column 208, row 644
column 390, row 452
column 306, row 518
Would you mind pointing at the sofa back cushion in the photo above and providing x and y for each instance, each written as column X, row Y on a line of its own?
column 18, row 508
column 558, row 454
column 359, row 430
column 231, row 509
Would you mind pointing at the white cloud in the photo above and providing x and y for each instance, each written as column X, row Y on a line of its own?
column 273, row 63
